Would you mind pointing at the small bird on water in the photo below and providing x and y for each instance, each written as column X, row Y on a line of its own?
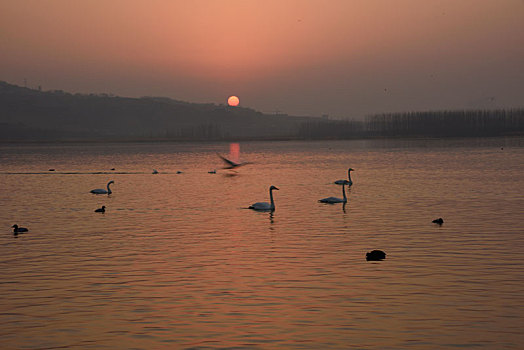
column 17, row 229
column 438, row 221
column 375, row 255
column 101, row 210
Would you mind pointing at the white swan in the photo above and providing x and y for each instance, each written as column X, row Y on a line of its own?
column 17, row 230
column 348, row 181
column 335, row 199
column 102, row 191
column 265, row 205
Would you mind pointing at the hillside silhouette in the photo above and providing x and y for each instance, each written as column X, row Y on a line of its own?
column 33, row 115
column 57, row 115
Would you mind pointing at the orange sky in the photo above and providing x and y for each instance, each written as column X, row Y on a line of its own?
column 343, row 58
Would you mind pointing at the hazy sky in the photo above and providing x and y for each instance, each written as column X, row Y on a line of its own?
column 346, row 58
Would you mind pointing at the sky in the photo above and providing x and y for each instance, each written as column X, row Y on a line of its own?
column 346, row 59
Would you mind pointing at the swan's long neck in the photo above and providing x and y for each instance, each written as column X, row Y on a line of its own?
column 349, row 176
column 109, row 189
column 271, row 199
column 344, row 192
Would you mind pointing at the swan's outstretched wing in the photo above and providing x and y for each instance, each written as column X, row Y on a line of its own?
column 231, row 164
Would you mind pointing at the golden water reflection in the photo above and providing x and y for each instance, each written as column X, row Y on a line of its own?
column 177, row 261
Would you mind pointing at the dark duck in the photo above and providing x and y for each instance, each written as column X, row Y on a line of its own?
column 375, row 255
column 438, row 221
column 101, row 210
column 17, row 229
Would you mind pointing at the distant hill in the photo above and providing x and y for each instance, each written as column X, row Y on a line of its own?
column 29, row 114
column 57, row 115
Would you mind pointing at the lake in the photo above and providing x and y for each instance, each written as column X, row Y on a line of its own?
column 177, row 261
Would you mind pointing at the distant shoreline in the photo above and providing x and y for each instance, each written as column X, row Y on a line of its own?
column 28, row 115
column 272, row 139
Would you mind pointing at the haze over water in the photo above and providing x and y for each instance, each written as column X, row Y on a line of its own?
column 347, row 59
column 178, row 262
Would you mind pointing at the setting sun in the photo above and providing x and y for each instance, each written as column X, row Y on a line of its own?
column 233, row 101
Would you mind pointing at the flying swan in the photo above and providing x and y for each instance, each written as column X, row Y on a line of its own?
column 102, row 191
column 332, row 200
column 231, row 164
column 348, row 181
column 265, row 206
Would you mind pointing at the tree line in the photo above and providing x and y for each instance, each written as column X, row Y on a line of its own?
column 466, row 123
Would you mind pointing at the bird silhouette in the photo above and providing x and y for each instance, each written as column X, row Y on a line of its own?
column 102, row 191
column 231, row 164
column 332, row 200
column 101, row 210
column 265, row 206
column 348, row 181
column 375, row 255
column 438, row 221
column 17, row 229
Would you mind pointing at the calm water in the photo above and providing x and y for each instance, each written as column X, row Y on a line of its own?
column 177, row 262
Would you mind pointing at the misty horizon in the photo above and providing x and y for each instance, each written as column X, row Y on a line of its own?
column 32, row 114
column 42, row 89
column 345, row 60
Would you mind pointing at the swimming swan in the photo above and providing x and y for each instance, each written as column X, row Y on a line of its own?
column 332, row 200
column 17, row 230
column 265, row 205
column 348, row 181
column 102, row 191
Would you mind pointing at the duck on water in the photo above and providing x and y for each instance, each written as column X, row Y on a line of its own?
column 101, row 210
column 17, row 229
column 375, row 255
column 438, row 221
